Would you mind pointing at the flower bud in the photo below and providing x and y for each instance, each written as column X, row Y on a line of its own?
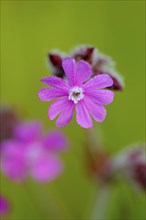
column 100, row 64
column 85, row 53
column 54, row 60
column 132, row 164
column 8, row 120
column 99, row 165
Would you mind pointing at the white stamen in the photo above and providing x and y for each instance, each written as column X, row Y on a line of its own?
column 34, row 150
column 76, row 94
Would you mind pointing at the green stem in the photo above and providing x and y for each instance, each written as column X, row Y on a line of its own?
column 101, row 204
column 94, row 138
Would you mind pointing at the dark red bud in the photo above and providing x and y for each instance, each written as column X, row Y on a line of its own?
column 55, row 59
column 84, row 54
column 117, row 85
column 8, row 120
column 139, row 174
column 56, row 62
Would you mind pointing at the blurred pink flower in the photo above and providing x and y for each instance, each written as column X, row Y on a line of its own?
column 30, row 153
column 79, row 92
column 100, row 63
column 4, row 205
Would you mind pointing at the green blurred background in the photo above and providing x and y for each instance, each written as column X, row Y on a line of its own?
column 29, row 29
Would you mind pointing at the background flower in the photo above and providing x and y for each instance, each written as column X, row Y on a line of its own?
column 30, row 153
column 4, row 206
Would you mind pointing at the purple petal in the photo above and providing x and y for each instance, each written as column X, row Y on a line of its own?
column 66, row 115
column 47, row 94
column 13, row 160
column 69, row 69
column 82, row 115
column 55, row 141
column 4, row 206
column 56, row 82
column 83, row 72
column 103, row 97
column 57, row 106
column 47, row 168
column 98, row 112
column 28, row 131
column 98, row 82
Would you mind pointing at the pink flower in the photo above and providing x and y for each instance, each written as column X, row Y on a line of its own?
column 77, row 92
column 31, row 154
column 4, row 205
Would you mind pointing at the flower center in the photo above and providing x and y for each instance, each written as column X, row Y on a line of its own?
column 34, row 150
column 76, row 94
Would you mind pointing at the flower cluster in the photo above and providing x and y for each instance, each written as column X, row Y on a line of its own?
column 78, row 91
column 30, row 153
column 99, row 62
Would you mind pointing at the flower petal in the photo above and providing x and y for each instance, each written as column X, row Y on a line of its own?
column 4, row 205
column 57, row 107
column 47, row 94
column 83, row 72
column 13, row 160
column 82, row 115
column 98, row 82
column 28, row 131
column 69, row 69
column 56, row 82
column 98, row 112
column 55, row 141
column 103, row 97
column 66, row 115
column 46, row 168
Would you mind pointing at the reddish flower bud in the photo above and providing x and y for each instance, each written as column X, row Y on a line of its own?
column 99, row 165
column 136, row 162
column 55, row 63
column 105, row 65
column 117, row 83
column 84, row 53
column 8, row 120
column 132, row 163
column 101, row 64
column 55, row 59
